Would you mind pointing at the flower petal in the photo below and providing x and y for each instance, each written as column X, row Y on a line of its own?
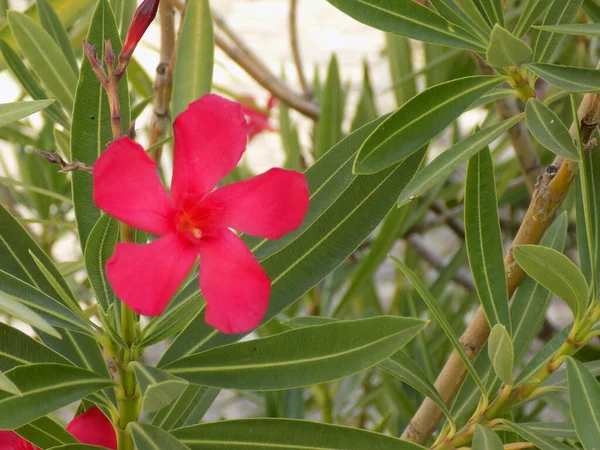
column 235, row 286
column 126, row 186
column 268, row 205
column 93, row 428
column 146, row 276
column 9, row 440
column 210, row 137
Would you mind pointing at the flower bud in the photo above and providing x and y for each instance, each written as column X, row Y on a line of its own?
column 142, row 19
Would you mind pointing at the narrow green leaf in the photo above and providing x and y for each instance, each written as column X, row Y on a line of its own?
column 8, row 386
column 507, row 50
column 441, row 319
column 344, row 210
column 159, row 389
column 401, row 366
column 557, row 273
column 124, row 11
column 399, row 52
column 486, row 439
column 290, row 140
column 473, row 15
column 408, row 18
column 366, row 109
column 66, row 296
column 45, row 433
column 275, row 434
column 572, row 79
column 554, row 429
column 19, row 311
column 91, row 128
column 535, row 437
column 149, row 437
column 322, row 353
column 45, row 388
column 45, row 57
column 449, row 160
column 99, row 247
column 329, row 128
column 17, row 348
column 533, row 10
column 52, row 24
column 584, row 400
column 591, row 29
column 501, row 353
column 547, row 42
column 420, row 120
column 549, row 130
column 11, row 112
column 188, row 409
column 493, row 10
column 192, row 74
column 484, row 241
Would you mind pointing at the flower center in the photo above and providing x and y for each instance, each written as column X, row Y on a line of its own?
column 195, row 222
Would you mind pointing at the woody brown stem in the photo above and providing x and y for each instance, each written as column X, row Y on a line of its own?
column 294, row 42
column 163, row 84
column 551, row 190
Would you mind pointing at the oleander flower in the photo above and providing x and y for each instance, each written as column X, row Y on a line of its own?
column 258, row 121
column 196, row 219
column 92, row 428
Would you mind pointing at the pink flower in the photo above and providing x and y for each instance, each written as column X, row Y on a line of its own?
column 143, row 17
column 92, row 427
column 258, row 120
column 210, row 138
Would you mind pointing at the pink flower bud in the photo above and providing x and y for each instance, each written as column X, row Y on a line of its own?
column 142, row 19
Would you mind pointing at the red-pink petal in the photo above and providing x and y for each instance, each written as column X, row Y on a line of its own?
column 210, row 138
column 145, row 276
column 9, row 440
column 93, row 428
column 268, row 205
column 235, row 286
column 126, row 186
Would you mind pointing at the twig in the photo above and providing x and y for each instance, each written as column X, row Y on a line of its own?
column 65, row 166
column 417, row 243
column 293, row 23
column 521, row 142
column 551, row 189
column 163, row 84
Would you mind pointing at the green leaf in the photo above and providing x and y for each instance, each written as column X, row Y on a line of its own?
column 11, row 112
column 449, row 160
column 419, row 120
column 91, row 128
column 484, row 241
column 493, row 9
column 533, row 10
column 501, row 353
column 591, row 29
column 159, row 389
column 507, row 50
column 274, row 434
column 486, row 439
column 19, row 311
column 408, row 18
column 572, row 79
column 344, row 210
column 16, row 348
column 30, row 84
column 366, row 109
column 149, row 437
column 329, row 128
column 124, row 11
column 547, row 42
column 401, row 366
column 192, row 74
column 321, row 353
column 584, row 400
column 99, row 247
column 52, row 24
column 399, row 52
column 555, row 429
column 549, row 130
column 188, row 409
column 441, row 319
column 45, row 433
column 535, row 437
column 472, row 15
column 45, row 388
column 45, row 57
column 8, row 386
column 557, row 273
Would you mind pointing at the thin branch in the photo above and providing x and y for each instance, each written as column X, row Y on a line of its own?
column 294, row 42
column 65, row 166
column 551, row 189
column 521, row 142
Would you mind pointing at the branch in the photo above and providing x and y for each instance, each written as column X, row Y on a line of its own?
column 65, row 166
column 293, row 22
column 551, row 190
